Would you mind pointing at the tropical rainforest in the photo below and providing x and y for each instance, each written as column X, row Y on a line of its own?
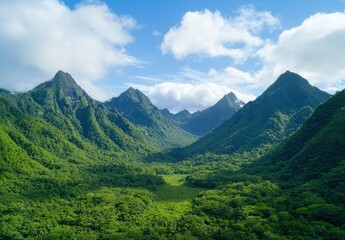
column 75, row 168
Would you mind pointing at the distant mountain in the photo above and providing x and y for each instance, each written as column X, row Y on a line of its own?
column 136, row 107
column 315, row 152
column 204, row 121
column 201, row 122
column 179, row 118
column 265, row 122
column 4, row 91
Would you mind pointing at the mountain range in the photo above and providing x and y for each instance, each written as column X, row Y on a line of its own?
column 58, row 120
column 136, row 107
column 202, row 122
column 75, row 168
column 263, row 123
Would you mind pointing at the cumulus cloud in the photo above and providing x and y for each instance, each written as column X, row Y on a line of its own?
column 179, row 96
column 209, row 34
column 37, row 38
column 198, row 90
column 156, row 33
column 315, row 49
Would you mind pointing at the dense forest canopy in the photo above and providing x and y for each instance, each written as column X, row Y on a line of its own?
column 74, row 168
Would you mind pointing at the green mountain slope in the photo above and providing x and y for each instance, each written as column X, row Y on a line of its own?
column 202, row 122
column 56, row 140
column 315, row 151
column 57, row 125
column 62, row 102
column 279, row 111
column 136, row 107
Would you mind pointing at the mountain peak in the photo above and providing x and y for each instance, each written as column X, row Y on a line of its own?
column 291, row 78
column 65, row 83
column 232, row 100
column 135, row 91
column 231, row 95
column 137, row 107
column 61, row 91
column 291, row 87
column 131, row 97
column 64, row 79
column 262, row 123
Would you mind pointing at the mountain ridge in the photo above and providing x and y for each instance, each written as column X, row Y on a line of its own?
column 137, row 107
column 315, row 149
column 202, row 122
column 63, row 103
column 275, row 114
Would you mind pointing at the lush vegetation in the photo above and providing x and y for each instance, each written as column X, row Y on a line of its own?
column 263, row 123
column 70, row 168
column 136, row 107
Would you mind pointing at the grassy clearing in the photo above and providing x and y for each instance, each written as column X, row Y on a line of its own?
column 173, row 200
column 174, row 189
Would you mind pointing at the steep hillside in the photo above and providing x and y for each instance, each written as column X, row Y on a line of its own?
column 136, row 107
column 265, row 122
column 315, row 151
column 61, row 105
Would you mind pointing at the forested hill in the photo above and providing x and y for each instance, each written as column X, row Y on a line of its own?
column 136, row 107
column 59, row 111
column 315, row 151
column 265, row 122
column 70, row 168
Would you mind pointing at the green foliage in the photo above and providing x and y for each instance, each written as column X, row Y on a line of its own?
column 314, row 150
column 136, row 107
column 263, row 123
column 70, row 168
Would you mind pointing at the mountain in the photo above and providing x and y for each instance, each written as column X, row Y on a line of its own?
column 4, row 91
column 136, row 107
column 315, row 151
column 60, row 117
column 201, row 122
column 179, row 118
column 265, row 122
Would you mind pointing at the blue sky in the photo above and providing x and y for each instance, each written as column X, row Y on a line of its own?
column 182, row 54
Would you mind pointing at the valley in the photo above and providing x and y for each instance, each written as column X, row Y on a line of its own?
column 75, row 168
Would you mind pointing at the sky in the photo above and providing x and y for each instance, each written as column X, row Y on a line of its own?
column 183, row 54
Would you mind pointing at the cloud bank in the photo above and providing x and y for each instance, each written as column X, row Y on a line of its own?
column 198, row 90
column 314, row 49
column 209, row 34
column 37, row 38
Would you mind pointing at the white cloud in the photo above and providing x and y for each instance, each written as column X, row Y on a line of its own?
column 156, row 33
column 37, row 38
column 209, row 34
column 179, row 96
column 198, row 90
column 315, row 49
